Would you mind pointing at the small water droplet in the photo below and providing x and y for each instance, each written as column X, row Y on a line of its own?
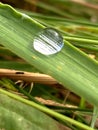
column 48, row 41
column 24, row 16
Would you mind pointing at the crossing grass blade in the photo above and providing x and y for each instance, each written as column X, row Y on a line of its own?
column 70, row 67
column 12, row 116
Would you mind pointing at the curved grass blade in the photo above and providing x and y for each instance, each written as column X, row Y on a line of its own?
column 16, row 115
column 72, row 68
column 17, row 66
column 41, row 108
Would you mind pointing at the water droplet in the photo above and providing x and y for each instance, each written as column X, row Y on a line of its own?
column 48, row 41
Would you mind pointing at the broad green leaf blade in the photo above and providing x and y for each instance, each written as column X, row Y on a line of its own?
column 71, row 67
column 15, row 115
column 47, row 110
column 17, row 66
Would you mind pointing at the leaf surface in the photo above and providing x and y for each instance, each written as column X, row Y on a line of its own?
column 15, row 115
column 71, row 67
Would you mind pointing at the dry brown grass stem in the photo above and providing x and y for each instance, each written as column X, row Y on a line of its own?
column 27, row 76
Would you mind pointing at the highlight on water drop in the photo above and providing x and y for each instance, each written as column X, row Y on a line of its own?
column 49, row 41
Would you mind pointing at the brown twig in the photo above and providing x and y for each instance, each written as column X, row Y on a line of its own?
column 27, row 76
column 82, row 2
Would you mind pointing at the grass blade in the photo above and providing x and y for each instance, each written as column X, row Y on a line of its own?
column 72, row 68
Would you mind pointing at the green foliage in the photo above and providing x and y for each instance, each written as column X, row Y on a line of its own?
column 73, row 68
column 46, row 110
column 16, row 115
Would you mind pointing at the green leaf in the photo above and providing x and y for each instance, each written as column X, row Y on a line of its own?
column 15, row 115
column 50, row 8
column 17, row 66
column 61, row 117
column 72, row 68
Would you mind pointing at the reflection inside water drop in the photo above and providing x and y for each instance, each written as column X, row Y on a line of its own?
column 48, row 41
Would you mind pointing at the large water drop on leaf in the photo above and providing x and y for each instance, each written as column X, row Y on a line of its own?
column 48, row 41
